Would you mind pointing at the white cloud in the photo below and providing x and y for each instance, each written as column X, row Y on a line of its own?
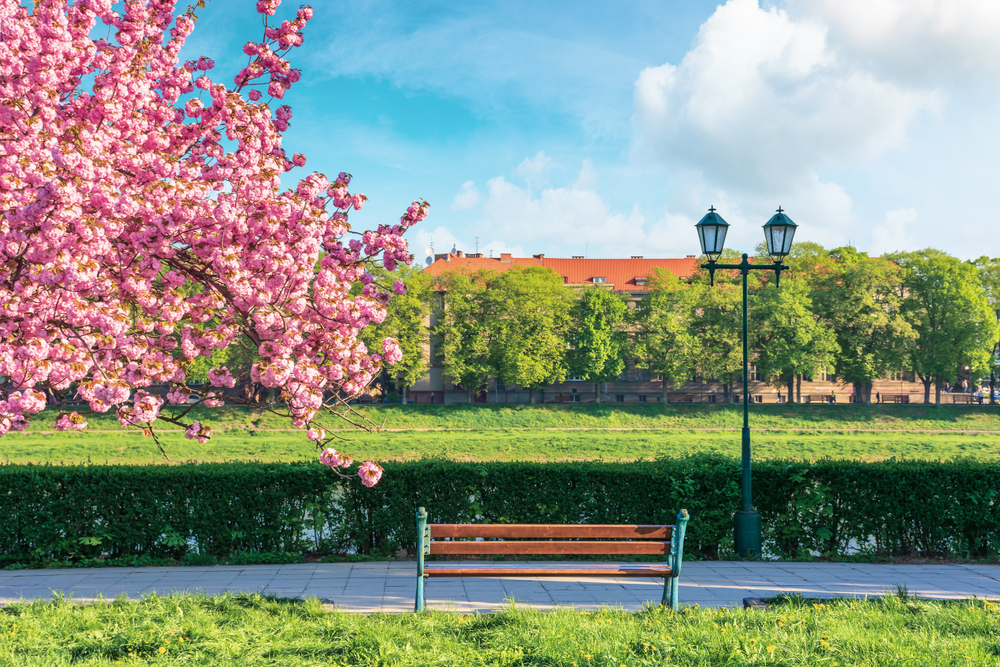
column 761, row 101
column 467, row 197
column 442, row 239
column 891, row 234
column 923, row 41
column 534, row 170
column 573, row 219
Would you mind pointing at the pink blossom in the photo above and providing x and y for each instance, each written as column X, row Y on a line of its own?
column 370, row 473
column 330, row 457
column 399, row 287
column 221, row 377
column 391, row 352
column 198, row 432
column 70, row 422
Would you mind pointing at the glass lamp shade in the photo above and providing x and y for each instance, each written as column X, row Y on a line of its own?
column 712, row 234
column 778, row 233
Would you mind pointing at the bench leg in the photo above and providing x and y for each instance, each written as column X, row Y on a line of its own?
column 668, row 593
column 419, row 605
column 673, row 594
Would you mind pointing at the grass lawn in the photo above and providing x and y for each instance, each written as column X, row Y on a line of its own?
column 250, row 630
column 544, row 433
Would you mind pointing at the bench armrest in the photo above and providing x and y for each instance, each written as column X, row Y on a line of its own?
column 677, row 548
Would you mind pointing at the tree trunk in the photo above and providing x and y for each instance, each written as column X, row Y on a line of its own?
column 868, row 393
column 798, row 388
column 597, row 392
column 937, row 390
column 531, row 395
column 791, row 388
column 402, row 392
column 927, row 389
column 666, row 388
column 471, row 390
column 993, row 387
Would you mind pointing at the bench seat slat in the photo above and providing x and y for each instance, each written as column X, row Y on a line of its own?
column 646, row 570
column 603, row 548
column 549, row 531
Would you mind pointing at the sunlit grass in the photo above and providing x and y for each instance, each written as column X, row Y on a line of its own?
column 250, row 630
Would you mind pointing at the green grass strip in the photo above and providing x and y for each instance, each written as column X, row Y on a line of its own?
column 251, row 630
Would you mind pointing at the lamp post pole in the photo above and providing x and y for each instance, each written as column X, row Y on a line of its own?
column 778, row 234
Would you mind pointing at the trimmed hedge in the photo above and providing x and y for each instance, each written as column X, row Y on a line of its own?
column 221, row 509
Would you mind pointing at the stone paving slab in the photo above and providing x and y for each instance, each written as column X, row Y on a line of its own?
column 389, row 586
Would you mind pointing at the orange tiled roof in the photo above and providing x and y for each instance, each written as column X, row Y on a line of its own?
column 621, row 274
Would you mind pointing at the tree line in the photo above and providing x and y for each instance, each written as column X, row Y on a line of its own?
column 857, row 317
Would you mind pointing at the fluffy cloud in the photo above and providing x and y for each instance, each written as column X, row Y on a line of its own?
column 572, row 218
column 891, row 234
column 919, row 41
column 467, row 197
column 762, row 100
column 534, row 170
column 443, row 239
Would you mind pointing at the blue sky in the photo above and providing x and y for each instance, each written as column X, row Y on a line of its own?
column 607, row 129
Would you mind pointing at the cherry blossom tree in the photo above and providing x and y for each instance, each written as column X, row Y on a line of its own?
column 143, row 225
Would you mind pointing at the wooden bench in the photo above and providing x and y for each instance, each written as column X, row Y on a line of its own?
column 816, row 398
column 680, row 398
column 895, row 398
column 537, row 539
column 961, row 399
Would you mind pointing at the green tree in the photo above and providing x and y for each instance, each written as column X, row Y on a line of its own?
column 786, row 337
column 531, row 319
column 948, row 307
column 718, row 326
column 597, row 337
column 464, row 330
column 859, row 298
column 406, row 321
column 989, row 278
column 666, row 340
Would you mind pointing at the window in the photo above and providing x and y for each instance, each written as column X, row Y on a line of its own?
column 640, row 281
column 757, row 398
column 623, row 377
column 501, row 386
column 575, row 378
column 599, row 279
column 575, row 398
column 642, row 375
column 642, row 398
column 619, row 398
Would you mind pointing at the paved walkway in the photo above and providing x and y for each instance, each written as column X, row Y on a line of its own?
column 385, row 586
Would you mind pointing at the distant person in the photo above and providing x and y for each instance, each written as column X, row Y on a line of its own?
column 878, row 397
column 947, row 387
column 964, row 386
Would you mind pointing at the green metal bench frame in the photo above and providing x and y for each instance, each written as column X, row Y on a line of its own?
column 536, row 539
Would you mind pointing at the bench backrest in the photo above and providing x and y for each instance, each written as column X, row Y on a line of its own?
column 532, row 539
column 549, row 539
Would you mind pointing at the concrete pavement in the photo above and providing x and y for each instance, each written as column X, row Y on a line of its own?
column 389, row 586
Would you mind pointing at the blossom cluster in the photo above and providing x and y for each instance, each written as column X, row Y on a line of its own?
column 143, row 224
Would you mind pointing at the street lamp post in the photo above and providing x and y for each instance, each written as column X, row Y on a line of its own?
column 778, row 233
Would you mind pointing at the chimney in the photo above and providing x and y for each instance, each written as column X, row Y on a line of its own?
column 636, row 256
column 577, row 256
column 505, row 257
column 539, row 256
column 458, row 253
